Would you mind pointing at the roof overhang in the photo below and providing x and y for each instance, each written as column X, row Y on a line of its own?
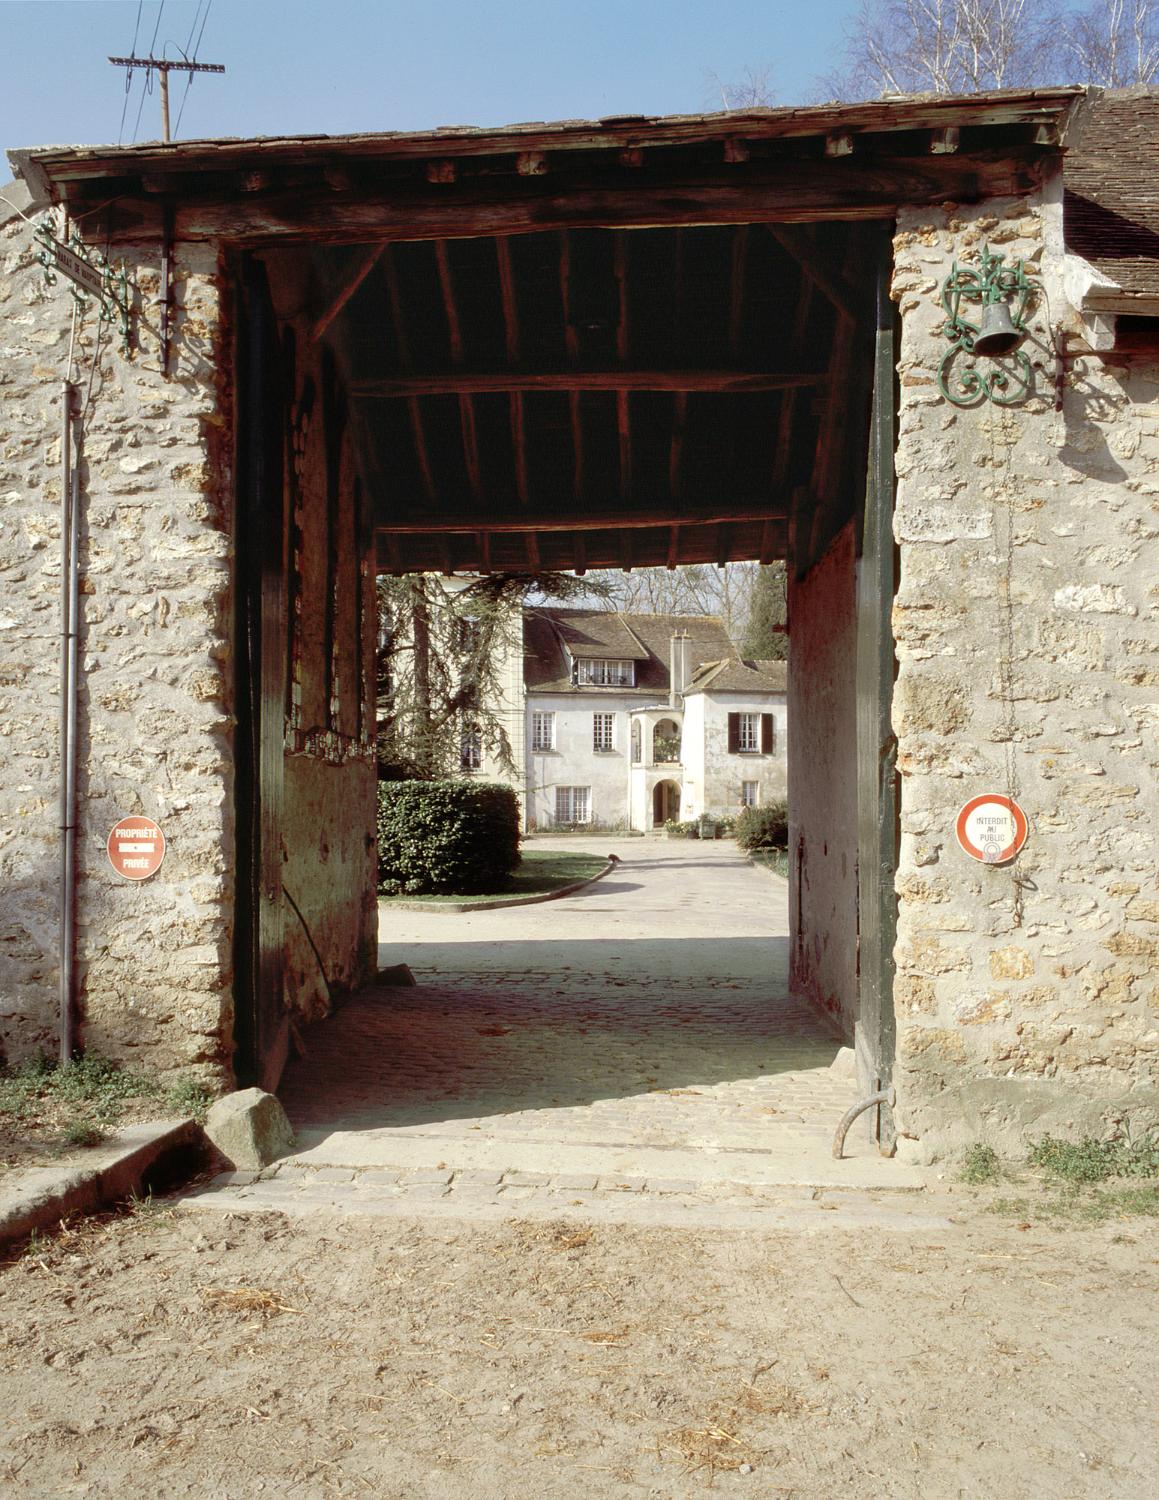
column 827, row 161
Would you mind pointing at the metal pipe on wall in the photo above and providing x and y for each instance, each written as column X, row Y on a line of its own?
column 69, row 609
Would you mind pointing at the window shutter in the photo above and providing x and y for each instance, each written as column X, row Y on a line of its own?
column 734, row 734
column 766, row 734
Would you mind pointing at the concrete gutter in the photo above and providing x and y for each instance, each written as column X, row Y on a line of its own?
column 390, row 904
column 137, row 1158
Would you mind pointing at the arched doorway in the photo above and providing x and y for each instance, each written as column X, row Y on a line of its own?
column 665, row 803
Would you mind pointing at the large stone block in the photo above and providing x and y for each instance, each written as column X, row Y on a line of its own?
column 250, row 1129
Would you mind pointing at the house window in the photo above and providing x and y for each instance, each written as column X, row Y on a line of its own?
column 666, row 742
column 603, row 731
column 750, row 734
column 636, row 742
column 749, row 793
column 471, row 748
column 542, row 731
column 595, row 672
column 573, row 804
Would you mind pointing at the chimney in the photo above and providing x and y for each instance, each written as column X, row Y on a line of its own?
column 678, row 672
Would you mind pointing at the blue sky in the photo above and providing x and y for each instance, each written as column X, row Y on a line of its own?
column 344, row 65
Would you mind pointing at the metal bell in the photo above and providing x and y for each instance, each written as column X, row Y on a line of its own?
column 997, row 335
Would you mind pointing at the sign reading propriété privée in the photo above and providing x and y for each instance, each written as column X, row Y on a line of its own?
column 991, row 828
column 136, row 848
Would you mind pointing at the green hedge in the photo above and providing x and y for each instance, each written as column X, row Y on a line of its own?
column 446, row 837
column 763, row 827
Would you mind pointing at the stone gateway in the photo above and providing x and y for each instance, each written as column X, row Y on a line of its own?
column 626, row 343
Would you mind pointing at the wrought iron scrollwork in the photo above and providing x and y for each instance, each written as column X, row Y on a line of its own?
column 113, row 298
column 1007, row 381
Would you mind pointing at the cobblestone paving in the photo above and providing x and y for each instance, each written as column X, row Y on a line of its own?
column 639, row 1030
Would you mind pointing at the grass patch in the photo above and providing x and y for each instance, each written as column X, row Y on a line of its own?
column 1088, row 1181
column 1090, row 1160
column 540, row 872
column 980, row 1165
column 46, row 1110
column 776, row 860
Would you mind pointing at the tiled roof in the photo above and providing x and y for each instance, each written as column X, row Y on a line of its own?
column 601, row 633
column 1111, row 175
column 737, row 676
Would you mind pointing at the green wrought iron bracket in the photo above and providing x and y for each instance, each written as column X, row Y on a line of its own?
column 90, row 277
column 990, row 284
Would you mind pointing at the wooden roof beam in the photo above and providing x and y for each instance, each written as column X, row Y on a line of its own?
column 845, row 296
column 357, row 274
column 468, row 382
column 610, row 520
column 571, row 344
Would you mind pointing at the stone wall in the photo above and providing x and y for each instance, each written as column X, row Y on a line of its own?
column 154, row 957
column 1028, row 651
column 822, row 732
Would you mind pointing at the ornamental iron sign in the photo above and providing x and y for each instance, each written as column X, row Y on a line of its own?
column 89, row 274
column 976, row 298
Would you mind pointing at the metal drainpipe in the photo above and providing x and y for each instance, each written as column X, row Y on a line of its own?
column 69, row 512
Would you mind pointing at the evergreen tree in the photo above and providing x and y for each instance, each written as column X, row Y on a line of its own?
column 766, row 637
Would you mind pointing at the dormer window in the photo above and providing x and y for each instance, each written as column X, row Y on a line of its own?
column 605, row 672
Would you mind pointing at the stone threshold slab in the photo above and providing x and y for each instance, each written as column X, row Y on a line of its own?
column 796, row 1164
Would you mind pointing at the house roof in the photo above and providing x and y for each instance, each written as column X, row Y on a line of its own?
column 734, row 675
column 609, row 634
column 1111, row 204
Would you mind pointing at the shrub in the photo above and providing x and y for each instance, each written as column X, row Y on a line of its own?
column 438, row 838
column 763, row 827
column 677, row 830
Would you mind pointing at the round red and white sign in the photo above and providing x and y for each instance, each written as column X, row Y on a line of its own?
column 136, row 848
column 991, row 828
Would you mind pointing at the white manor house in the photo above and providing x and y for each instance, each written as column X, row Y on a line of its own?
column 631, row 720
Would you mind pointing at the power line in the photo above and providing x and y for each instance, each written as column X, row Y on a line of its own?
column 129, row 75
column 196, row 50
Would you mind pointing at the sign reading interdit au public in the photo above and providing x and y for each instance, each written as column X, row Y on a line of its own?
column 991, row 828
column 136, row 848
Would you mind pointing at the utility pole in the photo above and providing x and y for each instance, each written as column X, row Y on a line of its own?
column 163, row 66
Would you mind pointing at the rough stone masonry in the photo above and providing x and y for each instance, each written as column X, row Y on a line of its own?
column 1028, row 664
column 155, row 717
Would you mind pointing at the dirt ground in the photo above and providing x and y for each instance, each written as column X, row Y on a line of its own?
column 175, row 1353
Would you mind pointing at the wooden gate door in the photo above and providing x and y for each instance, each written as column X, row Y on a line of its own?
column 260, row 638
column 877, row 780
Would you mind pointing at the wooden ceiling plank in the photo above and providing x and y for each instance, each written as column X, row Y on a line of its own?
column 673, row 547
column 422, row 453
column 620, row 269
column 398, row 316
column 450, row 305
column 844, row 295
column 740, row 249
column 571, row 345
column 353, row 280
column 676, row 447
column 509, row 299
column 519, row 446
column 783, row 453
column 470, row 434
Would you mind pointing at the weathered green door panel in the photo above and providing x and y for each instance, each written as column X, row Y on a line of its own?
column 877, row 779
